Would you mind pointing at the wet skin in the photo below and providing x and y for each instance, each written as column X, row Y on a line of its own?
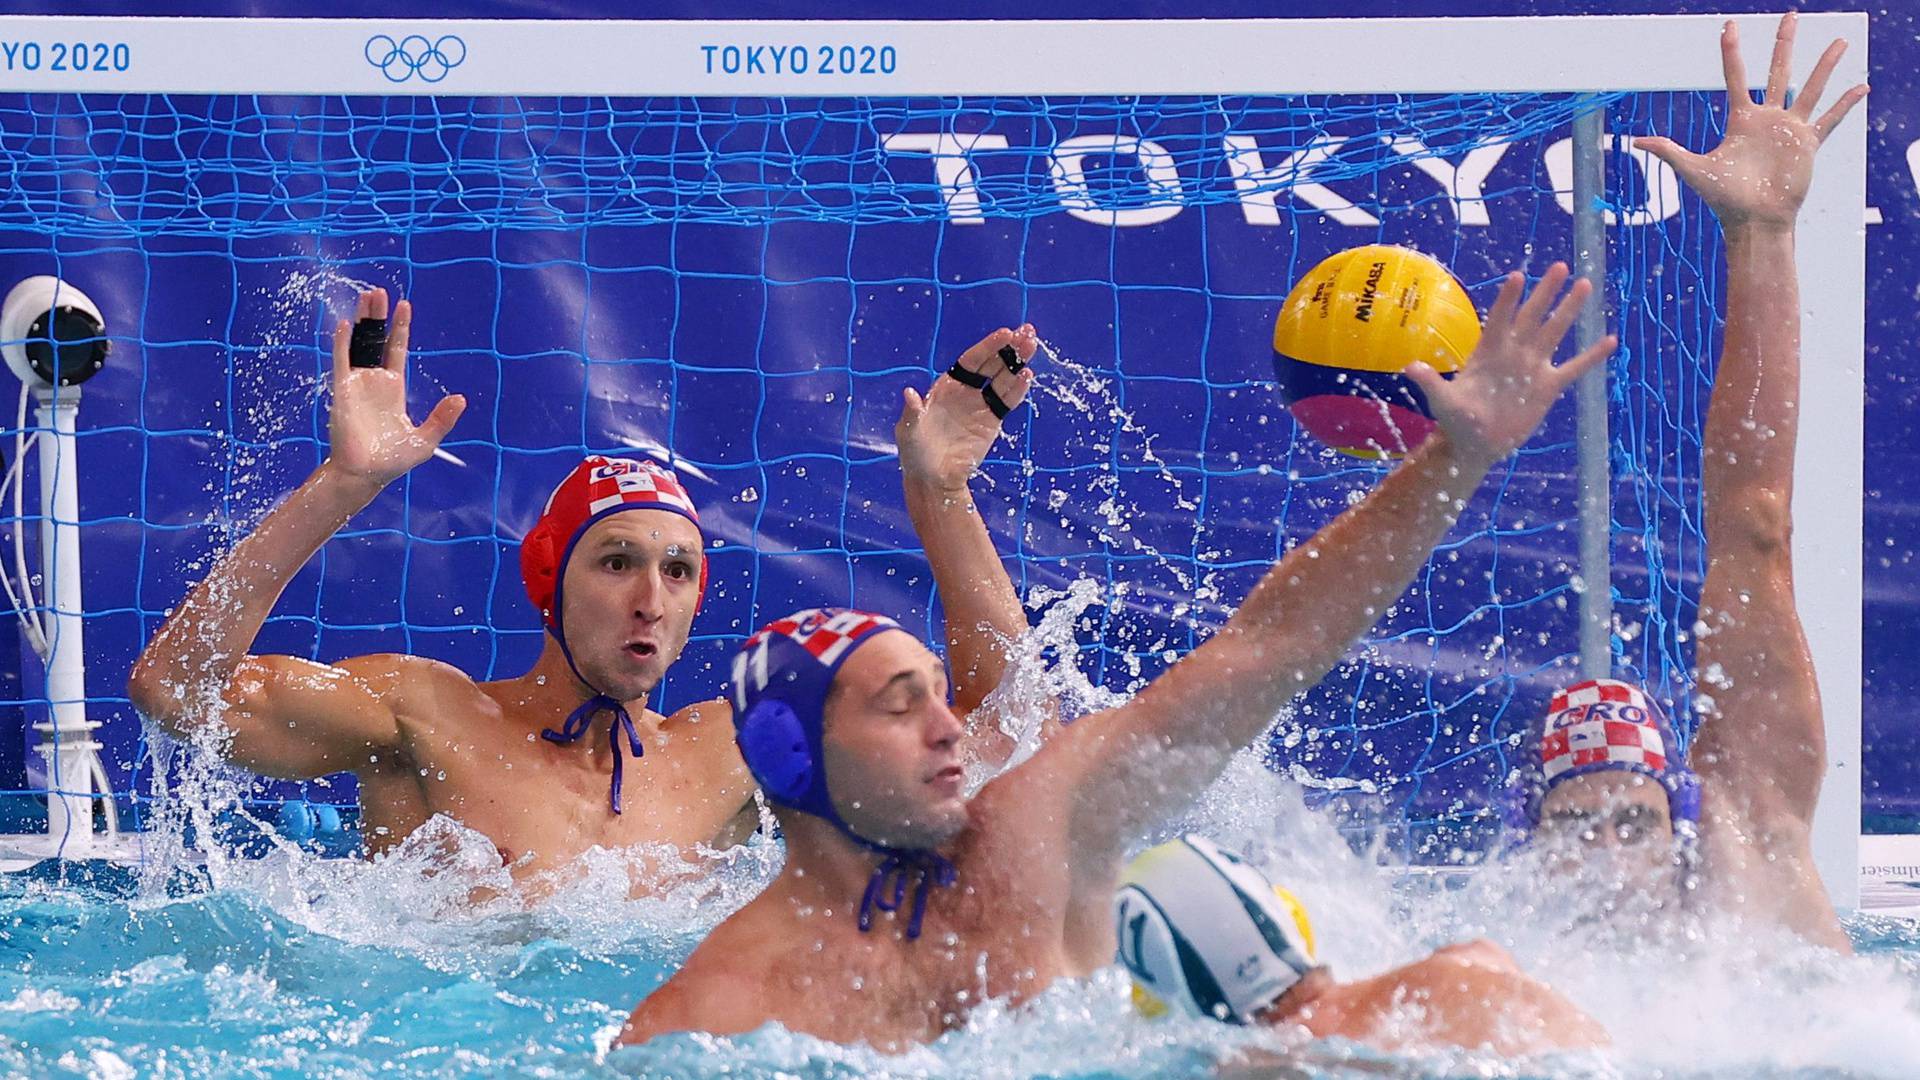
column 1619, row 817
column 422, row 737
column 1470, row 995
column 473, row 750
column 1015, row 920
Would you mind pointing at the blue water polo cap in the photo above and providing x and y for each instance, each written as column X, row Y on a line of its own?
column 781, row 678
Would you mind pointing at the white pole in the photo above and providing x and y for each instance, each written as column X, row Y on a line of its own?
column 70, row 747
column 1596, row 479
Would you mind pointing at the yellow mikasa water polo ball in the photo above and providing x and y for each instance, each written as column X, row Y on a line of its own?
column 1349, row 328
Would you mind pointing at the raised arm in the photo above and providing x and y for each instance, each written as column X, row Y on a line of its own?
column 1763, row 735
column 943, row 438
column 290, row 717
column 1761, row 748
column 1133, row 765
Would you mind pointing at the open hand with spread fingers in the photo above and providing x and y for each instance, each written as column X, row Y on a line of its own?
column 1760, row 172
column 1502, row 394
column 945, row 436
column 371, row 436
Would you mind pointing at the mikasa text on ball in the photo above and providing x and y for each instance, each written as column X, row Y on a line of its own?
column 1347, row 332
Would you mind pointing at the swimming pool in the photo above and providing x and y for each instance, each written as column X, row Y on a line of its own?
column 1153, row 479
column 298, row 966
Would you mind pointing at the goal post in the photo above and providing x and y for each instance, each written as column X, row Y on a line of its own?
column 254, row 140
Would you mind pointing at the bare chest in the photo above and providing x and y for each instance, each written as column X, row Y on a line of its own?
column 545, row 804
column 880, row 987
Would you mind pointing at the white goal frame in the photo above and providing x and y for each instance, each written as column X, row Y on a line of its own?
column 1267, row 56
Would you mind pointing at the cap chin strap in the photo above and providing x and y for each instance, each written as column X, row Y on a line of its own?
column 887, row 888
column 1519, row 805
column 928, row 867
column 580, row 720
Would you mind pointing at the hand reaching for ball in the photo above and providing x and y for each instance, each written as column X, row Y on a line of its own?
column 1510, row 381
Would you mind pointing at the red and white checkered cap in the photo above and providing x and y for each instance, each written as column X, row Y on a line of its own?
column 1604, row 723
column 595, row 488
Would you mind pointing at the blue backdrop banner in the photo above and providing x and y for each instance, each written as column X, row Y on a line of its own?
column 743, row 286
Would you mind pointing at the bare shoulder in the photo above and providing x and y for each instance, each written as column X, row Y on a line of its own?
column 1027, row 796
column 1478, row 953
column 1019, row 831
column 1470, row 995
column 711, row 993
column 703, row 722
column 1054, row 772
column 705, row 729
column 703, row 734
column 401, row 673
column 1456, row 972
column 1482, row 974
column 415, row 687
column 1045, row 808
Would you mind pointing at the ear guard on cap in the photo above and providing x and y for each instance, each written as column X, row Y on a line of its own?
column 1683, row 794
column 774, row 743
column 539, row 566
column 780, row 681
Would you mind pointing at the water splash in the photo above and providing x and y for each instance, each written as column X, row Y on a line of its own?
column 434, row 959
column 1091, row 394
column 196, row 797
column 430, row 956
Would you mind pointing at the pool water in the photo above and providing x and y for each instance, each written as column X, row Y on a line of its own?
column 427, row 963
column 434, row 962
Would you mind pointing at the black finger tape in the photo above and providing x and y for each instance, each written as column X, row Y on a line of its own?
column 369, row 341
column 995, row 403
column 967, row 378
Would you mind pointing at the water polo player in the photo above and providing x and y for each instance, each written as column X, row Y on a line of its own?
column 616, row 567
column 943, row 438
column 1206, row 935
column 899, row 885
column 1604, row 774
column 548, row 765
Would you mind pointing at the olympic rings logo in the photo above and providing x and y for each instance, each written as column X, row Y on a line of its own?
column 415, row 55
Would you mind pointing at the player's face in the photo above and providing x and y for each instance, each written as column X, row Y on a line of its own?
column 892, row 746
column 630, row 590
column 1610, row 827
